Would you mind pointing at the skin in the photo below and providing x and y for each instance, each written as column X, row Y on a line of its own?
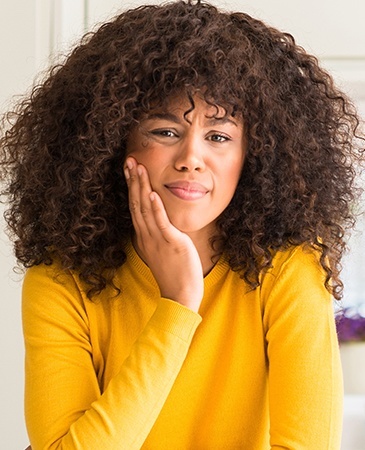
column 182, row 172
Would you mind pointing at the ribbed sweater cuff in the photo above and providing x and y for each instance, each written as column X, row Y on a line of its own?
column 176, row 319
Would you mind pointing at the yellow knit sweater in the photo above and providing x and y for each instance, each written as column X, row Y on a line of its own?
column 253, row 370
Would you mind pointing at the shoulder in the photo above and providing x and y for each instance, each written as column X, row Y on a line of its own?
column 296, row 276
column 51, row 288
column 53, row 276
column 54, row 308
column 293, row 295
column 294, row 261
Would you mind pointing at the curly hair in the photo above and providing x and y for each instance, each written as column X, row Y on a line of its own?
column 63, row 152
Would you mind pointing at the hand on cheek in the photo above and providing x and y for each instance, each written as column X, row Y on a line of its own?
column 169, row 253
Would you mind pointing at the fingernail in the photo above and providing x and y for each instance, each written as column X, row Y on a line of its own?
column 129, row 164
column 126, row 173
column 139, row 170
column 152, row 196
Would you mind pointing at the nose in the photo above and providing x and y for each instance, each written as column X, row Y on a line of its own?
column 190, row 156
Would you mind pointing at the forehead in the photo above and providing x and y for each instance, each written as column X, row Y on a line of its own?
column 183, row 105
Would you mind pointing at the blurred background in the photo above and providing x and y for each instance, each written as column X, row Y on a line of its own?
column 33, row 35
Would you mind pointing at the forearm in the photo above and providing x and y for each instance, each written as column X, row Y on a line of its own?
column 124, row 414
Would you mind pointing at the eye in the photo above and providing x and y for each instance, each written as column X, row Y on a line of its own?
column 219, row 137
column 164, row 133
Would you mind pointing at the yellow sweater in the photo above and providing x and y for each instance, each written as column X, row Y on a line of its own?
column 253, row 370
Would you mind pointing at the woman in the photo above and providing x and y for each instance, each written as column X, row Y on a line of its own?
column 179, row 191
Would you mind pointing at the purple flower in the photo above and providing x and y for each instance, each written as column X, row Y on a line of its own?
column 350, row 325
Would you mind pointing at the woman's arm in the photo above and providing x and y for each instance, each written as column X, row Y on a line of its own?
column 64, row 408
column 305, row 381
column 64, row 405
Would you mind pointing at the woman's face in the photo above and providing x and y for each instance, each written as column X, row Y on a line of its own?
column 194, row 161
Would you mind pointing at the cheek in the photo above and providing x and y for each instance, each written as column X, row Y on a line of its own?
column 139, row 150
column 146, row 158
column 152, row 164
column 232, row 172
column 137, row 143
column 230, row 181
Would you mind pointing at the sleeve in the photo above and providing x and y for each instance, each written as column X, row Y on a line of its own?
column 305, row 378
column 63, row 405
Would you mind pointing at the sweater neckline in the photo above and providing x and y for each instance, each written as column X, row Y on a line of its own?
column 220, row 268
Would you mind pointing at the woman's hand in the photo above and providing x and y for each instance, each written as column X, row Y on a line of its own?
column 169, row 253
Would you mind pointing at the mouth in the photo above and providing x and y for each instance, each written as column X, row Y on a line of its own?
column 185, row 190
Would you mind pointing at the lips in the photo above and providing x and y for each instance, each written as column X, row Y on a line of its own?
column 186, row 190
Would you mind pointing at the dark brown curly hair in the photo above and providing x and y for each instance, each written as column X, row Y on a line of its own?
column 62, row 154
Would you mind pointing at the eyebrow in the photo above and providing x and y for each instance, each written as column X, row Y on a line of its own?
column 164, row 116
column 173, row 118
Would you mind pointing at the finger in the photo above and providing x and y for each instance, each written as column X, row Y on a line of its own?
column 146, row 204
column 132, row 178
column 161, row 219
column 149, row 220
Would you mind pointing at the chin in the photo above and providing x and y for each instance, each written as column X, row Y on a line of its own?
column 191, row 226
column 184, row 227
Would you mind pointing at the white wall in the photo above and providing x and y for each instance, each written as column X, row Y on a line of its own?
column 31, row 29
column 18, row 64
